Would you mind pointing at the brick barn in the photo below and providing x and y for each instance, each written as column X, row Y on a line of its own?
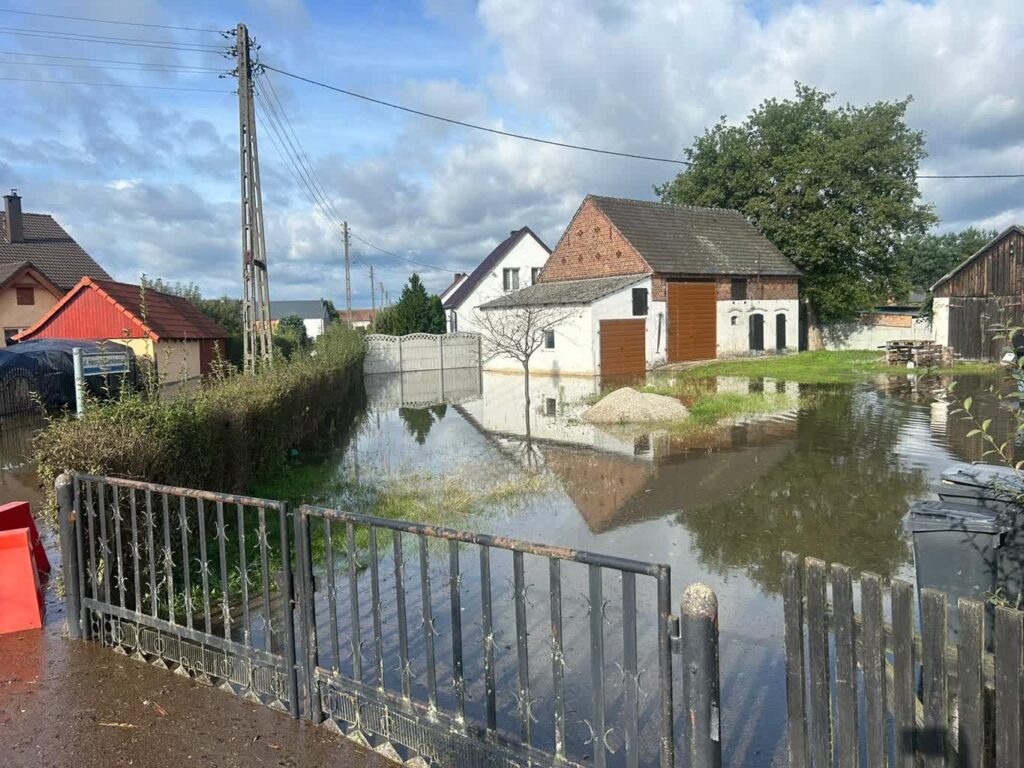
column 986, row 290
column 168, row 331
column 655, row 283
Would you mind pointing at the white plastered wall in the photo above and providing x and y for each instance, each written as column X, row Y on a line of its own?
column 524, row 256
column 619, row 306
column 940, row 320
column 733, row 324
column 573, row 354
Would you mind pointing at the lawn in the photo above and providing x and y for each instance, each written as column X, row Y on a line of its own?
column 811, row 368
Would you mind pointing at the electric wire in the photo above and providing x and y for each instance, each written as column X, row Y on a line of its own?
column 110, row 68
column 110, row 21
column 104, row 61
column 131, row 42
column 111, row 85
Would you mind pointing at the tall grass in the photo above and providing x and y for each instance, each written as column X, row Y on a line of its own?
column 227, row 435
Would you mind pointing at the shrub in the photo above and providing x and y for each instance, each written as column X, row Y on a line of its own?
column 233, row 431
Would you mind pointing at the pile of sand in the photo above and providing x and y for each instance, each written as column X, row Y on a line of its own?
column 626, row 406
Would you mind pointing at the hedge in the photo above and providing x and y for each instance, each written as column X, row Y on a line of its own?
column 233, row 431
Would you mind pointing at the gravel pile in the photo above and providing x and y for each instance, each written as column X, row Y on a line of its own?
column 627, row 406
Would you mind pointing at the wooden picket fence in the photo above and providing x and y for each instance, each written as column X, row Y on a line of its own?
column 902, row 697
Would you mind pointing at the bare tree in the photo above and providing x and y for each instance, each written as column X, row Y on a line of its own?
column 517, row 330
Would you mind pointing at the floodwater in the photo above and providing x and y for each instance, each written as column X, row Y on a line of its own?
column 831, row 475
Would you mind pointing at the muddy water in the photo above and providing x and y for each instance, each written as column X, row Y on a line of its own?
column 831, row 476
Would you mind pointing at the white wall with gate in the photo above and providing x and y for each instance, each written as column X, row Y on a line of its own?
column 421, row 352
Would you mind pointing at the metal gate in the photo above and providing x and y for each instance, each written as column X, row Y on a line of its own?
column 196, row 582
column 452, row 647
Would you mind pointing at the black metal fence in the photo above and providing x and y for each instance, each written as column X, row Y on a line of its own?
column 459, row 648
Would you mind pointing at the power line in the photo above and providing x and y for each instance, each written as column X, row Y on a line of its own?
column 476, row 127
column 111, row 85
column 566, row 145
column 110, row 21
column 105, row 61
column 110, row 68
column 364, row 241
column 107, row 40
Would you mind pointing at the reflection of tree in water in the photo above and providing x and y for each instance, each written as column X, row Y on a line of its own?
column 840, row 496
column 418, row 421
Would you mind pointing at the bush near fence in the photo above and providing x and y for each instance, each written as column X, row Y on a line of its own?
column 224, row 437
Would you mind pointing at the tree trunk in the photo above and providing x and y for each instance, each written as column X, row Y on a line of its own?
column 815, row 341
column 526, row 390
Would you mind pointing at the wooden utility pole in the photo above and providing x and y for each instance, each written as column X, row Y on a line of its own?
column 255, row 281
column 373, row 299
column 348, row 277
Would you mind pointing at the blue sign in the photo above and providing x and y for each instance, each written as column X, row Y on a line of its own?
column 105, row 363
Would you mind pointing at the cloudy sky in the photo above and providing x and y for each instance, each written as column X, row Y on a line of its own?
column 147, row 178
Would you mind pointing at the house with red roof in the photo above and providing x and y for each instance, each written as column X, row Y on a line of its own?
column 179, row 340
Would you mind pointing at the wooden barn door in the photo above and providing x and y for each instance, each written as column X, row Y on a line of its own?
column 623, row 344
column 692, row 321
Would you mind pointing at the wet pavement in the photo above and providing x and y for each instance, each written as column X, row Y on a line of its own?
column 72, row 703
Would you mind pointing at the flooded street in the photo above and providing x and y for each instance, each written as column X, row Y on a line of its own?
column 831, row 475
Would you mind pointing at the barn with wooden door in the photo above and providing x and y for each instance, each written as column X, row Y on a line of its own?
column 594, row 326
column 985, row 292
column 168, row 331
column 718, row 287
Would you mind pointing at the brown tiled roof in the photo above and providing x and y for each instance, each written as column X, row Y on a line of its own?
column 358, row 315
column 169, row 317
column 683, row 239
column 10, row 271
column 51, row 250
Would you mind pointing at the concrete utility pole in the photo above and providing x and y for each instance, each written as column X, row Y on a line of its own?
column 383, row 295
column 373, row 298
column 255, row 281
column 348, row 277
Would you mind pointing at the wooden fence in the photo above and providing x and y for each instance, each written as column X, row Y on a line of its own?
column 897, row 689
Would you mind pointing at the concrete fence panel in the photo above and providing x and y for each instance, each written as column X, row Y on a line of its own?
column 421, row 352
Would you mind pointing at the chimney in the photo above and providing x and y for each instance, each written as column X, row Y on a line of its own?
column 459, row 276
column 15, row 228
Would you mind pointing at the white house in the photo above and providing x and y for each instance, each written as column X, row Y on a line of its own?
column 315, row 314
column 515, row 263
column 632, row 284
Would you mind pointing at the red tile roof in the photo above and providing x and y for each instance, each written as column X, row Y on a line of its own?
column 159, row 315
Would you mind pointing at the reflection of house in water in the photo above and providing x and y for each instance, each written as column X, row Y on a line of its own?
column 612, row 490
column 951, row 429
column 617, row 477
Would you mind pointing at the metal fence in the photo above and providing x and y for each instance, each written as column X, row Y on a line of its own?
column 454, row 647
column 421, row 352
column 883, row 693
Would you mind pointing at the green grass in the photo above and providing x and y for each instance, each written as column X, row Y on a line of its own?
column 814, row 367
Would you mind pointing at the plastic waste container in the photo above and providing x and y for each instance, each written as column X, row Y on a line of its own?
column 957, row 550
column 995, row 488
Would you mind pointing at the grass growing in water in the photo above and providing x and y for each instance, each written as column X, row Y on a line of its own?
column 822, row 367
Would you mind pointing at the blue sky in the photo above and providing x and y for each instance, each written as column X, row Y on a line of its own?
column 147, row 179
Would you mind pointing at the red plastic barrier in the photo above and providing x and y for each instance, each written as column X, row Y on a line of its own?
column 18, row 514
column 21, row 594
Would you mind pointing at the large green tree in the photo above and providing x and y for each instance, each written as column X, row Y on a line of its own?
column 835, row 188
column 415, row 312
column 929, row 257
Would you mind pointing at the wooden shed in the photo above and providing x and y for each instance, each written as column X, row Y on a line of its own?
column 169, row 331
column 981, row 296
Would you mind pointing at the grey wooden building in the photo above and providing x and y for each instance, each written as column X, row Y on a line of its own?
column 982, row 296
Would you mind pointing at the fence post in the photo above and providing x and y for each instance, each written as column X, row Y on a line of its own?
column 289, row 612
column 67, row 516
column 699, row 634
column 401, row 363
column 307, row 615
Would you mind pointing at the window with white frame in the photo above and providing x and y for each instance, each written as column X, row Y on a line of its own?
column 510, row 279
column 549, row 339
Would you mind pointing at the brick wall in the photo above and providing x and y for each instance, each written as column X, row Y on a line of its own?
column 765, row 288
column 592, row 247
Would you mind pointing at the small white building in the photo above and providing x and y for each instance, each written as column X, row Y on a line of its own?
column 514, row 264
column 315, row 314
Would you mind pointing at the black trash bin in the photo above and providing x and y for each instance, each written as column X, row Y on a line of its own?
column 999, row 489
column 957, row 550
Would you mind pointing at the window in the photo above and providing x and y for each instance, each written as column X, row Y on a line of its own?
column 639, row 302
column 739, row 290
column 549, row 339
column 9, row 334
column 510, row 279
column 550, row 406
column 26, row 296
column 534, row 274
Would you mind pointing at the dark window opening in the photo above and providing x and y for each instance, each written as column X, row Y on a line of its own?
column 549, row 339
column 9, row 334
column 639, row 302
column 534, row 274
column 739, row 290
column 26, row 296
column 780, row 331
column 550, row 406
